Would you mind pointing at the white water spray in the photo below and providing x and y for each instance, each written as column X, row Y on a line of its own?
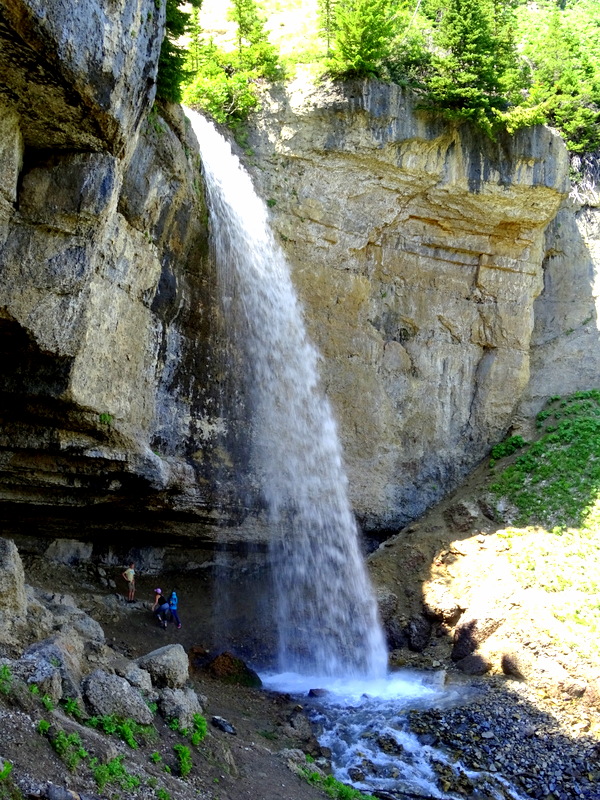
column 327, row 615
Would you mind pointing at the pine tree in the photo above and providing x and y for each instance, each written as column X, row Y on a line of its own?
column 254, row 49
column 172, row 59
column 467, row 79
column 567, row 85
column 363, row 35
column 195, row 49
column 326, row 16
column 250, row 23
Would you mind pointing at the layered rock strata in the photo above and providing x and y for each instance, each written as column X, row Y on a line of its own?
column 417, row 248
column 422, row 252
column 105, row 304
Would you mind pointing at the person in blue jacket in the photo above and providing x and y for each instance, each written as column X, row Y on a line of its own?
column 173, row 604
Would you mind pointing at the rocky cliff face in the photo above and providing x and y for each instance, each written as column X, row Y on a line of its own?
column 105, row 300
column 423, row 255
column 419, row 252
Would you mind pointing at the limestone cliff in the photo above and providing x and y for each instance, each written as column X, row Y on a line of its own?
column 425, row 255
column 418, row 249
column 104, row 296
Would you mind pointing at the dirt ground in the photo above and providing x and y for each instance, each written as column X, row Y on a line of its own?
column 548, row 720
column 245, row 765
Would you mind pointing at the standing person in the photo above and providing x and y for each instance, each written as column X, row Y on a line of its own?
column 129, row 576
column 160, row 607
column 173, row 603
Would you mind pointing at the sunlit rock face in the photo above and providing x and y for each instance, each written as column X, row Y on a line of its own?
column 418, row 250
column 444, row 299
column 565, row 344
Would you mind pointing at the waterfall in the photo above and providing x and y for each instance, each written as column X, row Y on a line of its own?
column 326, row 613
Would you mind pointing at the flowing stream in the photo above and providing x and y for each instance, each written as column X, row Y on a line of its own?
column 329, row 634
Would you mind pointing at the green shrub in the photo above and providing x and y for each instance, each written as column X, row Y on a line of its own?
column 363, row 34
column 506, row 448
column 184, row 759
column 113, row 772
column 71, row 706
column 69, row 748
column 5, row 771
column 48, row 702
column 334, row 788
column 6, row 679
column 126, row 729
column 199, row 729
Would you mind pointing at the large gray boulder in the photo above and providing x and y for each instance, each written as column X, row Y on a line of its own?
column 180, row 704
column 168, row 666
column 111, row 694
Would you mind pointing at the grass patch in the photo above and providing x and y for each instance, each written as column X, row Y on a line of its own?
column 128, row 729
column 332, row 787
column 113, row 773
column 553, row 487
column 555, row 482
column 6, row 679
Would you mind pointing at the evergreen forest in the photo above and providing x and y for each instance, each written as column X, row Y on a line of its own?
column 500, row 64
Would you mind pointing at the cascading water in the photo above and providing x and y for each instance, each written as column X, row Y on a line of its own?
column 326, row 612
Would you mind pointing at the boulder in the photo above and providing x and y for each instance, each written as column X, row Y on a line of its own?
column 461, row 517
column 440, row 604
column 63, row 652
column 138, row 677
column 387, row 602
column 419, row 634
column 111, row 694
column 168, row 666
column 180, row 704
column 12, row 587
column 591, row 696
column 475, row 629
column 517, row 664
column 396, row 633
column 475, row 664
column 230, row 669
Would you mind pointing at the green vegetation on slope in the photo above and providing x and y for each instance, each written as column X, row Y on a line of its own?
column 554, row 484
column 556, row 480
column 502, row 64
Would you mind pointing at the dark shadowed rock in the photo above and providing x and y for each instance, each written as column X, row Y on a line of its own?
column 230, row 669
column 223, row 725
column 396, row 633
column 474, row 630
column 475, row 664
column 419, row 634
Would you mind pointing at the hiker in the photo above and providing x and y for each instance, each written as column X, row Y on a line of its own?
column 173, row 603
column 160, row 607
column 129, row 576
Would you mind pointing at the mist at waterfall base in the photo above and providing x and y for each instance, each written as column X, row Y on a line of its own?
column 329, row 634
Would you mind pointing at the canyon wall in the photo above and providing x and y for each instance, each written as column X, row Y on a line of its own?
column 106, row 309
column 428, row 270
column 439, row 283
